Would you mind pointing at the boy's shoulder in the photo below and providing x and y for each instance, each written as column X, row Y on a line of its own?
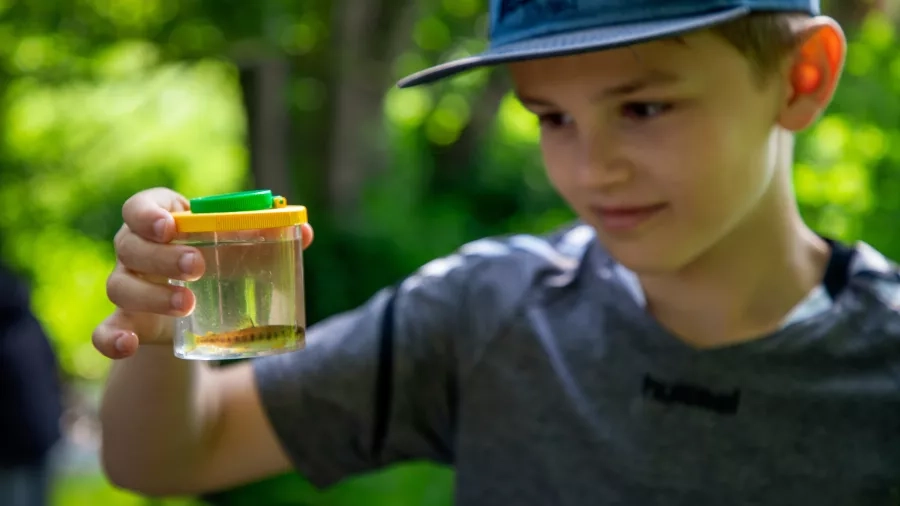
column 498, row 274
column 551, row 259
column 877, row 279
column 485, row 283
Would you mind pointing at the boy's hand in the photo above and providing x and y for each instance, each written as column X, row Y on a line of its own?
column 145, row 302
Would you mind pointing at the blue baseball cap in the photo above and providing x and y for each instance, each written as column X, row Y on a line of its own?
column 528, row 29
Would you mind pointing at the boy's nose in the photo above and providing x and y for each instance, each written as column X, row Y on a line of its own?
column 602, row 166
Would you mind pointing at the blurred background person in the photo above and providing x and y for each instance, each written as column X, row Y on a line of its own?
column 30, row 398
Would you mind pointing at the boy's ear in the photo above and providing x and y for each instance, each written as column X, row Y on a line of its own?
column 813, row 72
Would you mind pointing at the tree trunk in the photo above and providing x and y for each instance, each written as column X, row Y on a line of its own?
column 264, row 85
column 368, row 37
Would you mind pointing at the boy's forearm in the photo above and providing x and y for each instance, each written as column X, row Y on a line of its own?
column 155, row 413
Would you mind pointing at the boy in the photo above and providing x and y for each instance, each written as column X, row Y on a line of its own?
column 690, row 342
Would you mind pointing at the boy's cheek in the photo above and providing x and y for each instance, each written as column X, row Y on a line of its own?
column 562, row 178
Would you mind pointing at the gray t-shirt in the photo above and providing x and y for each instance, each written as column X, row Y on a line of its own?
column 529, row 365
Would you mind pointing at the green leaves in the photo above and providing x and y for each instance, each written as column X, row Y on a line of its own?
column 847, row 166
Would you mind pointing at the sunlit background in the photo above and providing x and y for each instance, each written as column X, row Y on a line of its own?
column 102, row 98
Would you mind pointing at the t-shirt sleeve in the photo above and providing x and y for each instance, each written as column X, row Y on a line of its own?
column 375, row 385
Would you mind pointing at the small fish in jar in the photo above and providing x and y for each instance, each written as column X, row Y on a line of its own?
column 266, row 336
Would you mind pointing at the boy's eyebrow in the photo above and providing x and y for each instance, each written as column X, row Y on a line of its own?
column 652, row 78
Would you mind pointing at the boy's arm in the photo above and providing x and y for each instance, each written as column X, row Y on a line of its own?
column 355, row 399
column 174, row 427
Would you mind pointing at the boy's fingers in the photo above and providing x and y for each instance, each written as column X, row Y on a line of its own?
column 117, row 336
column 147, row 213
column 113, row 341
column 122, row 332
column 158, row 260
column 308, row 236
column 133, row 293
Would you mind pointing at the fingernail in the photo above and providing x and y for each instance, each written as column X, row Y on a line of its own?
column 186, row 263
column 177, row 300
column 159, row 228
column 122, row 342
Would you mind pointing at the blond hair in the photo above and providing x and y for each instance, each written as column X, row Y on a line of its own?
column 764, row 38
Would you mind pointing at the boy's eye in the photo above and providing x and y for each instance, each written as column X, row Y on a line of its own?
column 554, row 120
column 644, row 110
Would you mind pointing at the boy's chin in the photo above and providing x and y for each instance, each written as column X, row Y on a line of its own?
column 646, row 256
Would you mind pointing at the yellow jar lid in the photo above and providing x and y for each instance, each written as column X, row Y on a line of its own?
column 250, row 210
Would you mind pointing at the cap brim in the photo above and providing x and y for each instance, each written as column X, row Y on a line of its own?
column 593, row 39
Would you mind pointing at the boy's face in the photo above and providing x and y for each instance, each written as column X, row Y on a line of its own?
column 665, row 148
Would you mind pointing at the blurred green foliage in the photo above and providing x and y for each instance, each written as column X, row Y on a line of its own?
column 100, row 99
column 94, row 491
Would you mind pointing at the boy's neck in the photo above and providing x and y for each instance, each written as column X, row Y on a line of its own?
column 746, row 285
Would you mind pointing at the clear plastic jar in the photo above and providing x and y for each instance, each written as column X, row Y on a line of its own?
column 250, row 300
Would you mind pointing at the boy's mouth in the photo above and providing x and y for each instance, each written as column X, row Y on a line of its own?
column 625, row 218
